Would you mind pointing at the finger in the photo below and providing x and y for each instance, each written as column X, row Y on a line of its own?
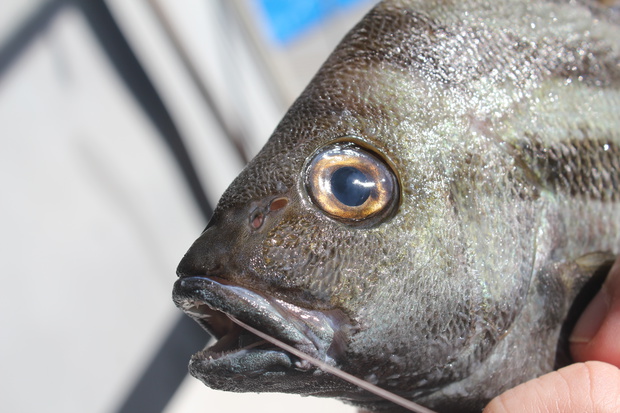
column 580, row 387
column 596, row 335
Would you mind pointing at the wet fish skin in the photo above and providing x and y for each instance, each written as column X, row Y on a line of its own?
column 501, row 120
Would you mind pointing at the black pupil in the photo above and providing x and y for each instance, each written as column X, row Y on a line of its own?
column 351, row 186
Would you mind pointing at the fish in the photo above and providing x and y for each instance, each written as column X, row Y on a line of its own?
column 429, row 215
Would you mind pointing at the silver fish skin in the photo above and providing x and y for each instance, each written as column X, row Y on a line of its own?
column 494, row 129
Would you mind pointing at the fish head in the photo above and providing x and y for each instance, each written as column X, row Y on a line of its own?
column 341, row 238
column 386, row 228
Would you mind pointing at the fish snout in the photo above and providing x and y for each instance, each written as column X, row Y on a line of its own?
column 228, row 239
column 209, row 255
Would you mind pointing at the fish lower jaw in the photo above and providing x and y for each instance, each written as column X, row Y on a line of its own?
column 233, row 342
column 262, row 370
column 259, row 349
column 240, row 361
column 210, row 302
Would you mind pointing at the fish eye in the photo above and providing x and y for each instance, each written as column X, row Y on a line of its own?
column 351, row 184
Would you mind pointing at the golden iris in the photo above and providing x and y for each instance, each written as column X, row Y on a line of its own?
column 351, row 184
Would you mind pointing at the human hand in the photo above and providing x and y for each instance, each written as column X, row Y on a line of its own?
column 586, row 386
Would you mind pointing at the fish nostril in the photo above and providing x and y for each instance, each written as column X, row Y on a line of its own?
column 258, row 215
column 256, row 219
column 278, row 203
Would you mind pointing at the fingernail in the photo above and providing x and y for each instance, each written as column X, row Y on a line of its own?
column 592, row 318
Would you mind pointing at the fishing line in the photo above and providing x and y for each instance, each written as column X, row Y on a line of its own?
column 394, row 398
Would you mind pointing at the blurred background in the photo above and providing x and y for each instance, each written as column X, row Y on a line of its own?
column 122, row 122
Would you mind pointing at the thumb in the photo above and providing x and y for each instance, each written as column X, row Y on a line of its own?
column 596, row 335
column 581, row 387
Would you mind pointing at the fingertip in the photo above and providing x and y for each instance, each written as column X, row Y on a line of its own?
column 591, row 320
column 591, row 386
column 596, row 335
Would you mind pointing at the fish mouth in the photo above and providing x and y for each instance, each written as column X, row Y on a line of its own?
column 240, row 360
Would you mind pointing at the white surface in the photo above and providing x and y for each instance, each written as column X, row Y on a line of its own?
column 213, row 40
column 214, row 157
column 94, row 217
column 13, row 13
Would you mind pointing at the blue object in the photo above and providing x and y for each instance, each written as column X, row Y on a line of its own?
column 351, row 186
column 287, row 19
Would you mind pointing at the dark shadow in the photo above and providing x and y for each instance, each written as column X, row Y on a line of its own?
column 32, row 27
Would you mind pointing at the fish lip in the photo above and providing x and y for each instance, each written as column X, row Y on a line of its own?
column 204, row 299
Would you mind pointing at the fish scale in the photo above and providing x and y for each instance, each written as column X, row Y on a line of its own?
column 500, row 123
